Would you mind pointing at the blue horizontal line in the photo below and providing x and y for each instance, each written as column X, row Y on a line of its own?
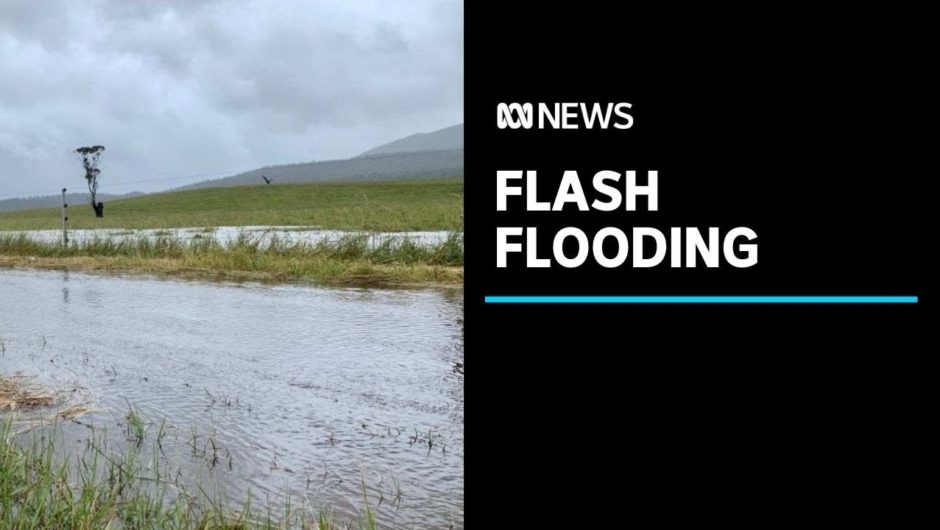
column 701, row 299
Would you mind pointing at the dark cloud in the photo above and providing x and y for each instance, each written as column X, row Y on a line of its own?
column 182, row 87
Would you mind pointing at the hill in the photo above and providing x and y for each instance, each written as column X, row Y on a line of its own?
column 381, row 206
column 434, row 155
column 398, row 166
column 446, row 139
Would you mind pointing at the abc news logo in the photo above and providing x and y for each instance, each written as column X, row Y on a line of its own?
column 563, row 116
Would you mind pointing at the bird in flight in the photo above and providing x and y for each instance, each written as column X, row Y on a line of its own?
column 266, row 179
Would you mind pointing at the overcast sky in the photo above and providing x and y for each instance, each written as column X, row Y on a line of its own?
column 182, row 87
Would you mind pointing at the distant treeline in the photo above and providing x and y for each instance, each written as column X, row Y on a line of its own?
column 54, row 201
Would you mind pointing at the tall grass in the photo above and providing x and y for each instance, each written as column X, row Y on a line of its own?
column 353, row 258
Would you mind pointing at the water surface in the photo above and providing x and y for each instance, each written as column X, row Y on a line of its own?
column 228, row 234
column 303, row 389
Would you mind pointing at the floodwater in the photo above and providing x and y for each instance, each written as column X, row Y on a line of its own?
column 228, row 234
column 302, row 389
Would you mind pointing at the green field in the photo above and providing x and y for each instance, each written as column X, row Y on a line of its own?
column 372, row 206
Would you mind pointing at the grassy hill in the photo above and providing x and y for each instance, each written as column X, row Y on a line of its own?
column 380, row 206
column 380, row 167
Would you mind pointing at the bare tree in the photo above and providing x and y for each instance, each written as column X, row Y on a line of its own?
column 91, row 156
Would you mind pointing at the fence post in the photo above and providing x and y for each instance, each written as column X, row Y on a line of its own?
column 65, row 219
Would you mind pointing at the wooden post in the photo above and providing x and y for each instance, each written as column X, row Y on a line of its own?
column 65, row 219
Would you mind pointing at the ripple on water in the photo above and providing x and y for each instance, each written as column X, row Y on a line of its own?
column 302, row 388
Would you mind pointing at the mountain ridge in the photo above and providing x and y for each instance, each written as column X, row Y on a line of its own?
column 444, row 139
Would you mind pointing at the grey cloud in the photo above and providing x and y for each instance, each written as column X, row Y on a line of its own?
column 183, row 87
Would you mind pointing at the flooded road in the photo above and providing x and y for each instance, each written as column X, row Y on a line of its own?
column 302, row 389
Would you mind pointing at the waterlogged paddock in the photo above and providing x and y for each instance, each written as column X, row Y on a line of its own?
column 231, row 234
column 360, row 259
column 270, row 389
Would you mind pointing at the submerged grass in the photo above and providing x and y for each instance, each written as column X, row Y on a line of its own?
column 48, row 484
column 17, row 394
column 30, row 406
column 353, row 259
column 97, row 487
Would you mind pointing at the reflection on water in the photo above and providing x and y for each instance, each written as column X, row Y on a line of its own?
column 304, row 389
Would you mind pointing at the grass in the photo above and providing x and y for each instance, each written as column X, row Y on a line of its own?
column 44, row 486
column 136, row 431
column 15, row 394
column 22, row 397
column 370, row 206
column 350, row 260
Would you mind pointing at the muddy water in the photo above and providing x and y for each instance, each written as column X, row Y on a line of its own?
column 302, row 389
